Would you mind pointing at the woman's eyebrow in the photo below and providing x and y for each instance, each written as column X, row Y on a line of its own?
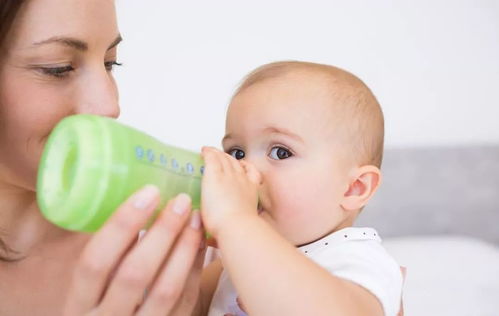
column 66, row 41
column 74, row 42
column 116, row 41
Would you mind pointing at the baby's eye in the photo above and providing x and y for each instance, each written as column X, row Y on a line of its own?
column 279, row 153
column 237, row 153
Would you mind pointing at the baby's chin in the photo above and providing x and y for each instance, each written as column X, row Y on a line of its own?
column 289, row 236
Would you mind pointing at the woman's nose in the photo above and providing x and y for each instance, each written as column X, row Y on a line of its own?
column 98, row 95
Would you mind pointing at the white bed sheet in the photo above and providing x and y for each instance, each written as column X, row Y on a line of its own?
column 448, row 275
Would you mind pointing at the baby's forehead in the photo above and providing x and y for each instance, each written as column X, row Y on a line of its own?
column 308, row 98
column 335, row 89
column 303, row 94
column 309, row 115
column 316, row 75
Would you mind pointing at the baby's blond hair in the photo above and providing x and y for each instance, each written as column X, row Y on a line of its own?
column 360, row 112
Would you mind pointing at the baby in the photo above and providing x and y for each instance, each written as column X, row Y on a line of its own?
column 303, row 148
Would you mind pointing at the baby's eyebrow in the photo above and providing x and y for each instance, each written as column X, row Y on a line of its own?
column 271, row 130
column 226, row 137
column 283, row 131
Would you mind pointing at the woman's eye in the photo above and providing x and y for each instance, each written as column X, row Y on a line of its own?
column 237, row 153
column 58, row 72
column 110, row 64
column 279, row 153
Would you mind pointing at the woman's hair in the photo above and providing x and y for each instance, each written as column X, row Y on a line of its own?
column 8, row 12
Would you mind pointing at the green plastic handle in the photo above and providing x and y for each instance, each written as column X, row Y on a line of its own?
column 91, row 164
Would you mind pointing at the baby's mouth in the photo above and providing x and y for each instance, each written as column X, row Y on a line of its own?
column 260, row 208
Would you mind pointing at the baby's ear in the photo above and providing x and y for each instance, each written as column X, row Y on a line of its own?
column 363, row 184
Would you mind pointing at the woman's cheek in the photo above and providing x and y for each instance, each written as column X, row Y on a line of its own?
column 27, row 121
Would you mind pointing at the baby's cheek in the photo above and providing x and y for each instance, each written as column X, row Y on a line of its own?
column 291, row 209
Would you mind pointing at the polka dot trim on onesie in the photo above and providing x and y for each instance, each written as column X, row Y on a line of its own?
column 342, row 235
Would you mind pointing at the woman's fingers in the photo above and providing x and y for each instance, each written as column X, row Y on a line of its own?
column 169, row 284
column 140, row 266
column 103, row 252
column 190, row 295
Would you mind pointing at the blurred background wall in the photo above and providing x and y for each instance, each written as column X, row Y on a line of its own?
column 434, row 65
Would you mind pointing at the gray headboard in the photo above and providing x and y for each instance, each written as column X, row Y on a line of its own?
column 437, row 191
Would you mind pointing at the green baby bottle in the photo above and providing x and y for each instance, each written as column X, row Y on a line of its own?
column 91, row 164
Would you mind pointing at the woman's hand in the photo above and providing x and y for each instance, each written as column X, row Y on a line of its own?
column 229, row 188
column 158, row 275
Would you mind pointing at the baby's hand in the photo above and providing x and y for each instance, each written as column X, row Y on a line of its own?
column 229, row 190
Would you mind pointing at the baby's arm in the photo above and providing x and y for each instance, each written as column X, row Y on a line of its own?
column 270, row 275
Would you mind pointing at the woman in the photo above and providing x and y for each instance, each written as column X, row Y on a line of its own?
column 56, row 58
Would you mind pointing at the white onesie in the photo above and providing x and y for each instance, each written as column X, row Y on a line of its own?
column 352, row 253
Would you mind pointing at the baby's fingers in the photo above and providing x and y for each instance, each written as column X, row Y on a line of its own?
column 253, row 174
column 234, row 163
column 213, row 161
